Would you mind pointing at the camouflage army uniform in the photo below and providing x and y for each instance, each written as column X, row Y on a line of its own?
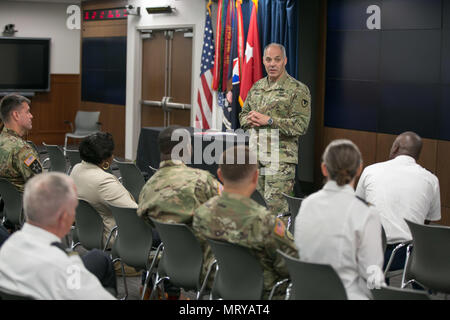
column 288, row 102
column 237, row 219
column 18, row 160
column 175, row 191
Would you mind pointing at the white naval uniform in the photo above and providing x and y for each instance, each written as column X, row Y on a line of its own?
column 334, row 227
column 400, row 189
column 31, row 266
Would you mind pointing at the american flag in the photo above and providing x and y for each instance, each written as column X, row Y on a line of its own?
column 204, row 103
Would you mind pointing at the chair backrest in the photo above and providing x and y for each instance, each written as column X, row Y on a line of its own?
column 89, row 226
column 132, row 178
column 239, row 275
column 313, row 281
column 9, row 296
column 73, row 156
column 294, row 204
column 183, row 255
column 256, row 196
column 57, row 159
column 12, row 199
column 429, row 263
column 86, row 121
column 383, row 239
column 391, row 293
column 134, row 240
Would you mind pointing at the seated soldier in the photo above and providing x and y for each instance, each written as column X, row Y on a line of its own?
column 18, row 160
column 33, row 262
column 175, row 190
column 234, row 217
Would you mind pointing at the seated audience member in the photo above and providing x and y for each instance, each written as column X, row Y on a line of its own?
column 175, row 190
column 335, row 227
column 33, row 262
column 401, row 189
column 18, row 160
column 97, row 186
column 234, row 217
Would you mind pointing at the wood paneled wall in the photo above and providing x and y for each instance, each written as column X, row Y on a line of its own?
column 112, row 116
column 51, row 109
column 375, row 146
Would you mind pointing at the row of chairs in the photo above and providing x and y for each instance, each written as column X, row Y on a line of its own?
column 238, row 274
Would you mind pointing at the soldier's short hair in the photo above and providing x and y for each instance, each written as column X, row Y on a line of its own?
column 165, row 142
column 10, row 103
column 96, row 147
column 274, row 44
column 237, row 163
column 46, row 196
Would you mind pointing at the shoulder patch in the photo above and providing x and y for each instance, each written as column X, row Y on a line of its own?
column 33, row 163
column 280, row 228
column 362, row 200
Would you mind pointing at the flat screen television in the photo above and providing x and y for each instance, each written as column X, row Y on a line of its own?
column 24, row 64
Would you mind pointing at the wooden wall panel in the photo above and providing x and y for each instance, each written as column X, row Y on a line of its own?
column 112, row 118
column 445, row 216
column 51, row 109
column 366, row 141
column 443, row 171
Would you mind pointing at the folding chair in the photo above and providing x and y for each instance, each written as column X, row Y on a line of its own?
column 57, row 158
column 239, row 275
column 132, row 178
column 133, row 243
column 86, row 123
column 182, row 258
column 429, row 263
column 12, row 198
column 294, row 204
column 256, row 196
column 73, row 156
column 391, row 293
column 313, row 281
column 89, row 227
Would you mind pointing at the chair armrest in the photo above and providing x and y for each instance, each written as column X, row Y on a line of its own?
column 391, row 258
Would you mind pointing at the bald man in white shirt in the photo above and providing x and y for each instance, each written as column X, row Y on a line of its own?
column 401, row 189
column 33, row 263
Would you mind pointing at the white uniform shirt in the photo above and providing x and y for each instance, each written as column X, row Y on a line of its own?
column 334, row 227
column 31, row 266
column 400, row 189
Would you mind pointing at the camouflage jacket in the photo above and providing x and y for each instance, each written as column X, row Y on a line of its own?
column 238, row 219
column 18, row 160
column 288, row 103
column 175, row 191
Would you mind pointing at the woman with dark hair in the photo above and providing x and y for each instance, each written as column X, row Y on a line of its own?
column 97, row 186
column 335, row 227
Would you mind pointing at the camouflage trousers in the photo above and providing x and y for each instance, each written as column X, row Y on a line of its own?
column 271, row 186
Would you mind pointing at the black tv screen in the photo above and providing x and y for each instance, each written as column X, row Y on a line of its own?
column 24, row 64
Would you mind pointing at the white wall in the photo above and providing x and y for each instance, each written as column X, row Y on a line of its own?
column 45, row 20
column 188, row 13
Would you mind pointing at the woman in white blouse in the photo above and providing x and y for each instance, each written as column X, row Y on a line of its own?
column 335, row 227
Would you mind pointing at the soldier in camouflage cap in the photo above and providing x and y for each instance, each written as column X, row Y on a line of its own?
column 18, row 160
column 278, row 101
column 234, row 217
column 175, row 190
